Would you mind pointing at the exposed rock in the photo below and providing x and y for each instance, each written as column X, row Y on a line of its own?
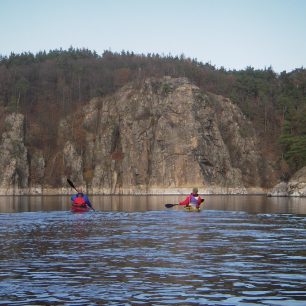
column 170, row 136
column 37, row 172
column 296, row 187
column 73, row 161
column 13, row 159
column 280, row 190
column 162, row 136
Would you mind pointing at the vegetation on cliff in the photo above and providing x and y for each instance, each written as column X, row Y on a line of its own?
column 49, row 86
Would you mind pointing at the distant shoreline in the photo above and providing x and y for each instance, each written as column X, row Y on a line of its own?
column 133, row 191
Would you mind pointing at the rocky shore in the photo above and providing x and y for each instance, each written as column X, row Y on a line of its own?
column 295, row 187
column 151, row 191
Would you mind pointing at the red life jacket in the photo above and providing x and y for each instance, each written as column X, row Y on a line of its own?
column 79, row 201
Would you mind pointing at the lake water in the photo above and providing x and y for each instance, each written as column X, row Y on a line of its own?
column 239, row 250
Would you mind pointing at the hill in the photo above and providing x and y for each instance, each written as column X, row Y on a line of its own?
column 48, row 89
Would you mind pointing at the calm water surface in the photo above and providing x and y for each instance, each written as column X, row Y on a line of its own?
column 239, row 250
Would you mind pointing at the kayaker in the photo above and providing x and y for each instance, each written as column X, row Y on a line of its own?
column 193, row 199
column 81, row 200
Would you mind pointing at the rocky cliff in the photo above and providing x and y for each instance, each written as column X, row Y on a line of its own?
column 13, row 159
column 295, row 187
column 161, row 136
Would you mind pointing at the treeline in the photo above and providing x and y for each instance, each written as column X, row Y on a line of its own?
column 47, row 86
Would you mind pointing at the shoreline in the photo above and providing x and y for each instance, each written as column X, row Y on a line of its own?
column 133, row 191
column 211, row 190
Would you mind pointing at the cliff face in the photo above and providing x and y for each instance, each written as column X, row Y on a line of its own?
column 162, row 136
column 13, row 159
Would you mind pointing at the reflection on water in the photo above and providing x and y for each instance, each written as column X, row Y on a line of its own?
column 251, row 204
column 132, row 251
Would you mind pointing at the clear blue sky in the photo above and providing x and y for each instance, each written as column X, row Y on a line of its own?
column 229, row 33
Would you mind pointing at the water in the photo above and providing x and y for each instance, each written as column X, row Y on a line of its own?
column 132, row 251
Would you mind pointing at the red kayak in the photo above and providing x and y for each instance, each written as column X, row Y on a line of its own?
column 79, row 209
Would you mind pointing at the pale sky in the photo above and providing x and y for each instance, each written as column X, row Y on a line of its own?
column 229, row 33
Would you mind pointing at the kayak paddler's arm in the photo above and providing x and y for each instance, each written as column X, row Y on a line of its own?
column 89, row 204
column 87, row 201
column 185, row 202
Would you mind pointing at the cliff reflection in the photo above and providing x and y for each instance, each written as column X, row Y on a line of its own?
column 250, row 204
column 10, row 204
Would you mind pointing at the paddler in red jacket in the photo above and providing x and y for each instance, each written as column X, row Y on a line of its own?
column 193, row 199
column 80, row 200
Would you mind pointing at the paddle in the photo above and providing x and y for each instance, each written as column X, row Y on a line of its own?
column 171, row 205
column 72, row 185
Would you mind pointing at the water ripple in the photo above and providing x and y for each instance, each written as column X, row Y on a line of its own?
column 162, row 257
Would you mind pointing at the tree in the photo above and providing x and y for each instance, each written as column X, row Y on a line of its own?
column 293, row 139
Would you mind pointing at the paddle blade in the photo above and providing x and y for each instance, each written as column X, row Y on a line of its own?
column 170, row 205
column 71, row 184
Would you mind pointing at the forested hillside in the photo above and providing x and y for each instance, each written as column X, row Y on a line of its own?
column 49, row 86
